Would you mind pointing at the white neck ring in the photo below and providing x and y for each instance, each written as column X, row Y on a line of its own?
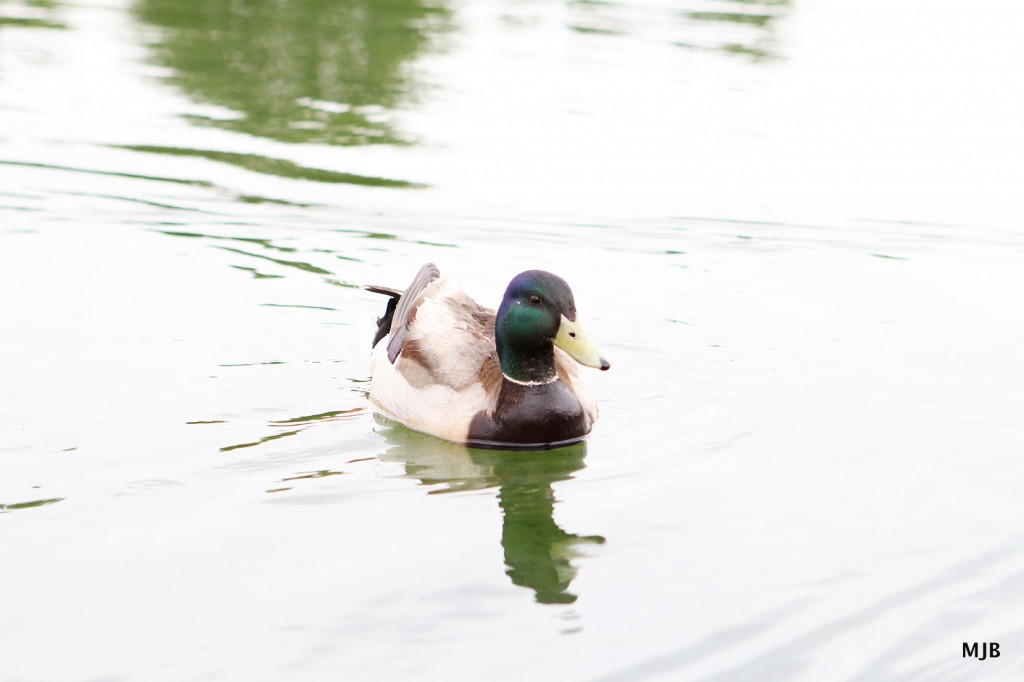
column 553, row 379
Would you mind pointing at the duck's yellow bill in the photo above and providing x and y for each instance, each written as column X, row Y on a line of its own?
column 573, row 341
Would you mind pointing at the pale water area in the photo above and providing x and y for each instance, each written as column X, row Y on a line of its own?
column 796, row 228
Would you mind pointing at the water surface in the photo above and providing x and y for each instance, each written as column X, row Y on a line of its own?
column 794, row 227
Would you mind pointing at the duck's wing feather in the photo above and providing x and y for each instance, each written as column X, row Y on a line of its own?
column 407, row 305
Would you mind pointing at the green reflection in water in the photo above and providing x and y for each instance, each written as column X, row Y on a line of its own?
column 316, row 253
column 28, row 505
column 299, row 265
column 296, row 424
column 538, row 553
column 270, row 166
column 324, row 71
column 735, row 17
column 741, row 27
column 760, row 15
column 29, row 22
column 132, row 176
column 30, row 14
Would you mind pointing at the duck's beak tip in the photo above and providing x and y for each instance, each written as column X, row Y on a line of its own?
column 605, row 365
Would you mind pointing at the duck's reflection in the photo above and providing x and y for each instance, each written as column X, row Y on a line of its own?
column 538, row 553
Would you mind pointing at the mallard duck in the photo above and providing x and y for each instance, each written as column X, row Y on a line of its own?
column 445, row 365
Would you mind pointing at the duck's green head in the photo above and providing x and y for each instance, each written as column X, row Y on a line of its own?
column 537, row 311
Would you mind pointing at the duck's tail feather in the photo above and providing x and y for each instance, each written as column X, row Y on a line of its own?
column 387, row 291
column 384, row 321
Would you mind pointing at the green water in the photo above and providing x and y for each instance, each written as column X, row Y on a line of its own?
column 317, row 72
column 793, row 227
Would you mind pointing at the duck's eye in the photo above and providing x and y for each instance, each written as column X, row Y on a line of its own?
column 534, row 299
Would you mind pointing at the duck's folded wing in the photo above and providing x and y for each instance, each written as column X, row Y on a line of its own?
column 451, row 340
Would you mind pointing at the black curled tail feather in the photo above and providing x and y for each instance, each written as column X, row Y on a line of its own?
column 384, row 321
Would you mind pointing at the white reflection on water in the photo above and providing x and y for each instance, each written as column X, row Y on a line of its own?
column 805, row 256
